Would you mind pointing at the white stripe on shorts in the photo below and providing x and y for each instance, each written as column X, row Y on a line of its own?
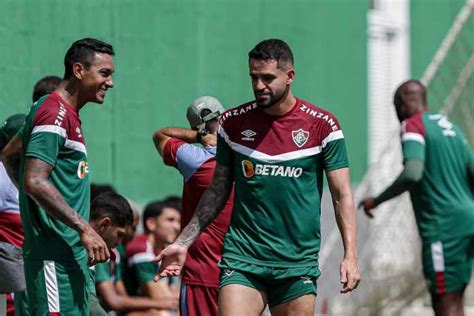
column 51, row 282
column 437, row 256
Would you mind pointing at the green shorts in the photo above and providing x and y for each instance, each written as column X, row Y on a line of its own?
column 57, row 287
column 447, row 265
column 279, row 289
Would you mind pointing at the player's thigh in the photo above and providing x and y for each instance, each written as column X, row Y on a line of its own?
column 303, row 305
column 198, row 300
column 57, row 287
column 293, row 296
column 447, row 265
column 238, row 299
column 241, row 294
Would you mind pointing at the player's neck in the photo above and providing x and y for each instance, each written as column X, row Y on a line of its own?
column 283, row 106
column 157, row 244
column 68, row 91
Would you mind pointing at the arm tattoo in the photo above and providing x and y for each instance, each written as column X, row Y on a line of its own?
column 211, row 204
column 45, row 194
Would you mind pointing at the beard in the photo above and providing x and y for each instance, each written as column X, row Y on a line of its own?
column 273, row 98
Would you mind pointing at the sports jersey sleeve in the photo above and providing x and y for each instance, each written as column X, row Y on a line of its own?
column 333, row 148
column 187, row 158
column 48, row 135
column 120, row 268
column 21, row 131
column 102, row 272
column 145, row 272
column 224, row 155
column 413, row 138
column 170, row 151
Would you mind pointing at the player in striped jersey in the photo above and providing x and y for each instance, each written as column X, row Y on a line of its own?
column 439, row 173
column 54, row 181
column 276, row 150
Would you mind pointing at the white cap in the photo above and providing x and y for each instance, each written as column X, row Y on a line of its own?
column 194, row 111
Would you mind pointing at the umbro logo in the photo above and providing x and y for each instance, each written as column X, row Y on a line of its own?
column 248, row 135
column 307, row 279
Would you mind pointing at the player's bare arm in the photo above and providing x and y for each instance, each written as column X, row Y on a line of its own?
column 40, row 189
column 117, row 302
column 343, row 201
column 161, row 136
column 11, row 156
column 210, row 205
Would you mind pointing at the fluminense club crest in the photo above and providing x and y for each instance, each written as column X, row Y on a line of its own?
column 300, row 137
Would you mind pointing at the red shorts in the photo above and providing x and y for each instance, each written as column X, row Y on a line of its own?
column 198, row 300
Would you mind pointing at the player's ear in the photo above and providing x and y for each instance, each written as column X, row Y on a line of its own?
column 78, row 70
column 290, row 76
column 150, row 224
column 104, row 223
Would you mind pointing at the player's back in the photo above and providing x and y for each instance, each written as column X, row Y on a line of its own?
column 442, row 200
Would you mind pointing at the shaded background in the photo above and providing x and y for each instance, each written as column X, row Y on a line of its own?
column 168, row 53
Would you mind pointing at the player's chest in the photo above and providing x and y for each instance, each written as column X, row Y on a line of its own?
column 277, row 136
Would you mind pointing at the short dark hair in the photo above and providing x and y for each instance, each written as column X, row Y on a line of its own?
column 82, row 51
column 112, row 205
column 152, row 210
column 155, row 208
column 397, row 97
column 173, row 201
column 45, row 86
column 273, row 49
column 98, row 189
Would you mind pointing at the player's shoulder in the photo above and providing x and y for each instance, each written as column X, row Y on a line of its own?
column 317, row 115
column 137, row 245
column 414, row 123
column 51, row 110
column 238, row 113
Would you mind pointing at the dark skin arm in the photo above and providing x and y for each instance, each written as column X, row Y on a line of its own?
column 188, row 135
column 45, row 194
column 211, row 204
column 11, row 155
column 116, row 302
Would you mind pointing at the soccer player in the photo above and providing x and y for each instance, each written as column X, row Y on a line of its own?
column 44, row 86
column 275, row 149
column 439, row 173
column 54, row 181
column 108, row 273
column 11, row 231
column 161, row 223
column 110, row 216
column 200, row 282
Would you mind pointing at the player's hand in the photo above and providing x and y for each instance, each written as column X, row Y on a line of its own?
column 95, row 246
column 368, row 204
column 209, row 140
column 172, row 261
column 350, row 275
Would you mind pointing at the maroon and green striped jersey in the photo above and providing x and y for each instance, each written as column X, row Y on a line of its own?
column 278, row 164
column 442, row 200
column 53, row 134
